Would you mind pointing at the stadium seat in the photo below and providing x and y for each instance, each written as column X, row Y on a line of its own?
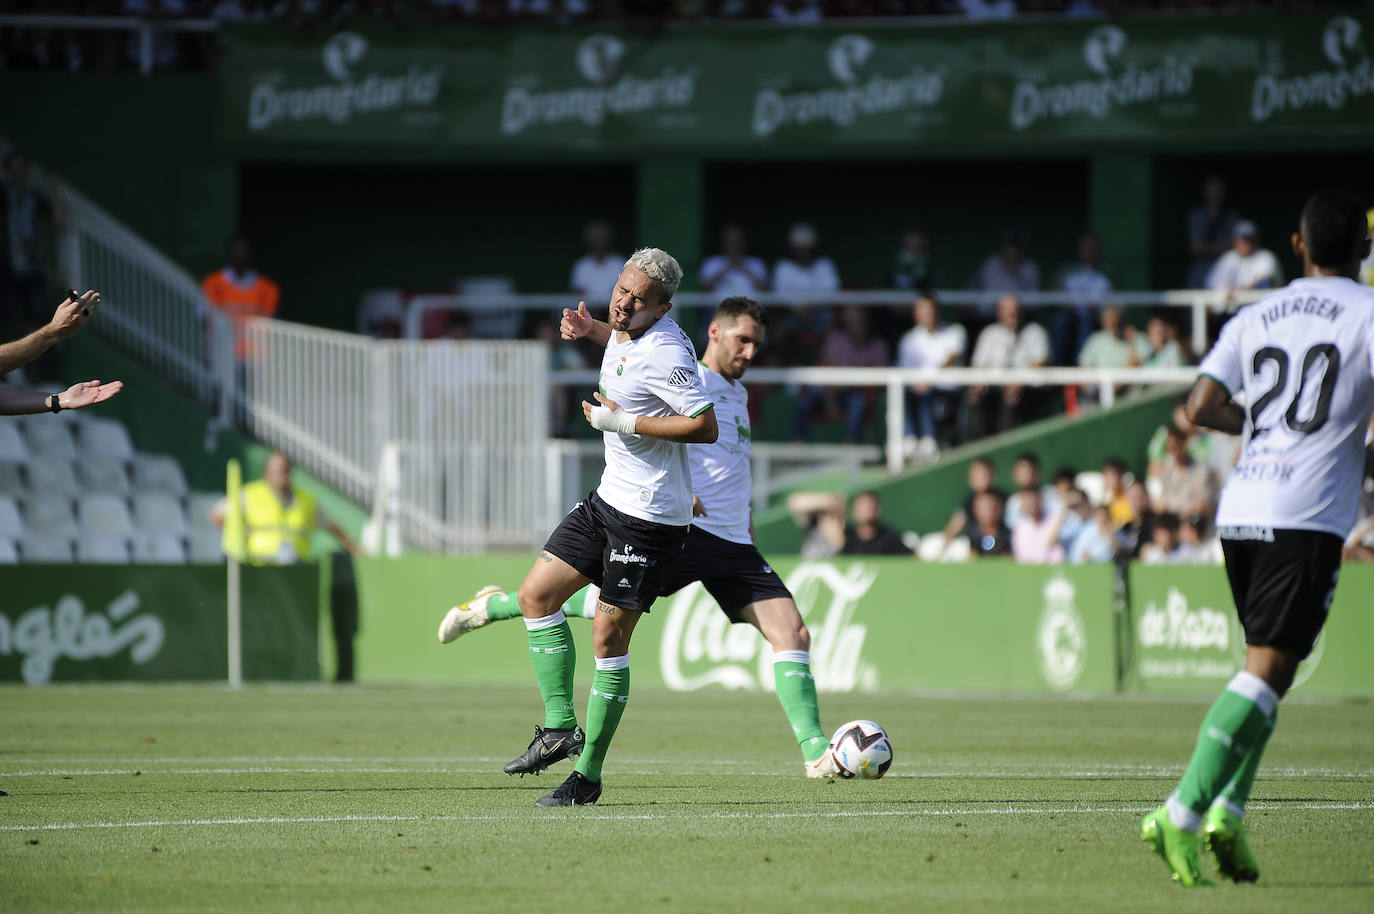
column 158, row 473
column 52, row 475
column 11, row 478
column 158, row 512
column 50, row 440
column 9, row 551
column 102, row 548
column 49, row 515
column 11, row 524
column 106, row 437
column 103, row 475
column 104, row 514
column 12, row 446
column 206, row 545
column 46, row 547
column 159, row 549
column 198, row 505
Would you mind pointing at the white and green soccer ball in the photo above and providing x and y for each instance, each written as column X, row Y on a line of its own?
column 862, row 749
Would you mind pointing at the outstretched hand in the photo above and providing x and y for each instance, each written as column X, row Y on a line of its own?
column 73, row 313
column 698, row 509
column 88, row 393
column 575, row 324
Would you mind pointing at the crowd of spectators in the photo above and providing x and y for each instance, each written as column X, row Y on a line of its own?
column 1079, row 517
column 43, row 47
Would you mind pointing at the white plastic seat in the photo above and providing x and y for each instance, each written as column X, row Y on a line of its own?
column 158, row 473
column 9, row 551
column 50, row 440
column 102, row 548
column 47, row 514
column 158, row 512
column 11, row 478
column 106, row 437
column 159, row 549
column 52, row 476
column 103, row 475
column 198, row 506
column 104, row 514
column 46, row 547
column 11, row 522
column 12, row 446
column 959, row 549
column 206, row 545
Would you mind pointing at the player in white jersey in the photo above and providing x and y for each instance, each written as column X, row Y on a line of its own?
column 650, row 404
column 1304, row 359
column 720, row 551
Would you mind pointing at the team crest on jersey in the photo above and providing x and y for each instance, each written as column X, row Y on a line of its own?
column 620, row 369
column 681, row 377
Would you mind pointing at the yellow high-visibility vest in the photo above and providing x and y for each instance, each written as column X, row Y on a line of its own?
column 277, row 534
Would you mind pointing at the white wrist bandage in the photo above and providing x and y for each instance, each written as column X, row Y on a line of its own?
column 613, row 420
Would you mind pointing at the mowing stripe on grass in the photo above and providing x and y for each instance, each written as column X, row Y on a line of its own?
column 813, row 814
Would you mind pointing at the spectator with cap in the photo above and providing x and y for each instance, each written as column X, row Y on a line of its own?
column 596, row 272
column 1246, row 266
column 805, row 269
column 734, row 272
column 1210, row 229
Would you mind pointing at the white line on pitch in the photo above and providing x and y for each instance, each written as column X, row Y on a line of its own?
column 840, row 814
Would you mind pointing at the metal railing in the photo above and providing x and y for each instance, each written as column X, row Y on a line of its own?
column 894, row 381
column 1197, row 302
column 144, row 29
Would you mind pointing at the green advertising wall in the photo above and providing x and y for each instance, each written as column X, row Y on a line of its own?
column 143, row 622
column 887, row 624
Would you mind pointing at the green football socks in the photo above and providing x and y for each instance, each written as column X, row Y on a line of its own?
column 502, row 606
column 554, row 655
column 1237, row 792
column 610, row 692
column 1232, row 736
column 796, row 689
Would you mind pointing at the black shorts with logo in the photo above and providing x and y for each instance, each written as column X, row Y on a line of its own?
column 1282, row 588
column 624, row 556
column 736, row 574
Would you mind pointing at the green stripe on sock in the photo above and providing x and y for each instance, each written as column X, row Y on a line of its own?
column 554, row 656
column 502, row 606
column 797, row 694
column 610, row 692
column 1233, row 730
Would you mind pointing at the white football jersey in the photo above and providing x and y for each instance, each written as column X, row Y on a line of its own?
column 720, row 471
column 1304, row 357
column 654, row 375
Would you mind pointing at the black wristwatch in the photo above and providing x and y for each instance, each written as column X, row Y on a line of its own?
column 56, row 403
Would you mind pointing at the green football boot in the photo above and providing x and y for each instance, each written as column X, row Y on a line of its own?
column 1224, row 835
column 1177, row 847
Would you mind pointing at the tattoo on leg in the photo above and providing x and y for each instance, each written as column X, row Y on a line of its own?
column 545, row 556
column 606, row 608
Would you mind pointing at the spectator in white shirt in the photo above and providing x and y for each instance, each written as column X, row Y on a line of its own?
column 595, row 273
column 804, row 269
column 1087, row 286
column 1009, row 343
column 733, row 271
column 929, row 344
column 1245, row 266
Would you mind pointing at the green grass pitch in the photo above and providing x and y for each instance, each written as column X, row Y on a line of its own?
column 197, row 798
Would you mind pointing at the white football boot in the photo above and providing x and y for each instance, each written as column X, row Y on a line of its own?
column 823, row 767
column 467, row 616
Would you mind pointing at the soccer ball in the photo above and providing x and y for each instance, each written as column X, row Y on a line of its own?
column 862, row 749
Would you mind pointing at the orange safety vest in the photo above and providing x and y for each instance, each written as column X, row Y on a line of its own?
column 241, row 302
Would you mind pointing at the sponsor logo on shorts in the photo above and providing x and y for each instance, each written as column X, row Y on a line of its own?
column 1257, row 534
column 624, row 582
column 628, row 557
